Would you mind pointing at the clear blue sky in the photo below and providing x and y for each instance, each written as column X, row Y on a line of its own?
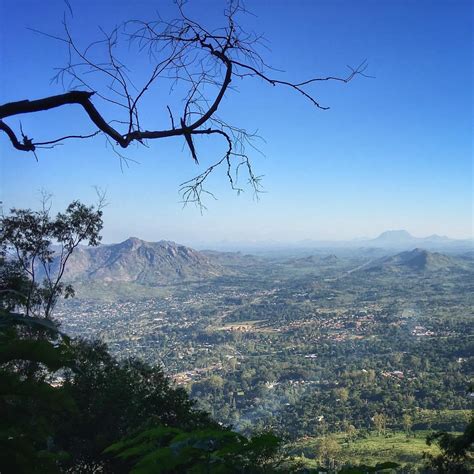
column 392, row 152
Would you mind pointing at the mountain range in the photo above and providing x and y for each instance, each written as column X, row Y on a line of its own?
column 401, row 238
column 146, row 263
column 167, row 263
column 391, row 239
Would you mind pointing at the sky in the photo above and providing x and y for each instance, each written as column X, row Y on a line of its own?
column 392, row 152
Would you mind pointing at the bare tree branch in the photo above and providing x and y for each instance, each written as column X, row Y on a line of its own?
column 199, row 66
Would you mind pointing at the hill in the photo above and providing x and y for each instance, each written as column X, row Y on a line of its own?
column 416, row 260
column 145, row 263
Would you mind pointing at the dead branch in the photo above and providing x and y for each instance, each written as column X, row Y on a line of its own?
column 197, row 63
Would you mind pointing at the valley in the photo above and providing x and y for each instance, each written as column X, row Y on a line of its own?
column 308, row 344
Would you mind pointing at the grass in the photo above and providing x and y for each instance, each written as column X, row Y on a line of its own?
column 372, row 449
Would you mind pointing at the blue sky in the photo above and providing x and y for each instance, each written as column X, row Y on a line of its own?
column 392, row 152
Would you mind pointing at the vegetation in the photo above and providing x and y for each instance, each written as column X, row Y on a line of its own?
column 307, row 363
column 53, row 425
column 66, row 404
column 305, row 351
column 366, row 448
column 457, row 451
column 208, row 450
column 29, row 403
column 32, row 272
column 359, row 378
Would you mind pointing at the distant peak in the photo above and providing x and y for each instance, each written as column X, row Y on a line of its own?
column 437, row 237
column 395, row 235
column 168, row 243
column 133, row 239
column 396, row 232
column 132, row 242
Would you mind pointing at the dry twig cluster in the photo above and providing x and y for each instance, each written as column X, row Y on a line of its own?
column 197, row 63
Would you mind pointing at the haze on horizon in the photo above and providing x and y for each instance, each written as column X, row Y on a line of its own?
column 440, row 241
column 394, row 152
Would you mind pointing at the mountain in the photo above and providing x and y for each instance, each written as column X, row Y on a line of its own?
column 394, row 237
column 416, row 260
column 233, row 260
column 438, row 238
column 387, row 242
column 146, row 263
column 403, row 240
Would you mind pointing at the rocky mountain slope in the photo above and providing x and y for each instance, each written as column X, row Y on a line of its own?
column 146, row 263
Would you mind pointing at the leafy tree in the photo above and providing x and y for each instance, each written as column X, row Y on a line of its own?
column 32, row 350
column 14, row 285
column 380, row 422
column 407, row 423
column 457, row 451
column 342, row 394
column 32, row 271
column 219, row 450
column 29, row 401
column 351, row 432
column 328, row 449
column 115, row 398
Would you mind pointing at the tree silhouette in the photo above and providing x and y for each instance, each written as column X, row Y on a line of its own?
column 199, row 66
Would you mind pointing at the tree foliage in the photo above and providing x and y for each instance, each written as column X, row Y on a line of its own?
column 62, row 401
column 219, row 450
column 114, row 398
column 31, row 269
column 457, row 451
column 29, row 401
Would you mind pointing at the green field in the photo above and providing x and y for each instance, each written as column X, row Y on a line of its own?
column 371, row 450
